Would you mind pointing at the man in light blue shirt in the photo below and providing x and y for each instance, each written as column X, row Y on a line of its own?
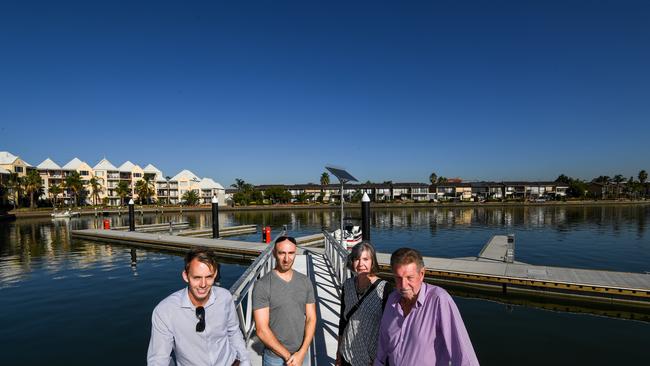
column 198, row 323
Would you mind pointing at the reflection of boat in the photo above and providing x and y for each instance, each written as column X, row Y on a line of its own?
column 351, row 235
column 65, row 214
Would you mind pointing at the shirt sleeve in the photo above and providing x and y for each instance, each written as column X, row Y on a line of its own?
column 456, row 340
column 382, row 342
column 311, row 299
column 235, row 335
column 161, row 342
column 261, row 294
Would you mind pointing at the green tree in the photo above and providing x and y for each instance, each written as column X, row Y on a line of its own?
column 563, row 179
column 442, row 180
column 190, row 197
column 643, row 176
column 145, row 190
column 277, row 195
column 15, row 185
column 324, row 181
column 303, row 197
column 618, row 179
column 33, row 184
column 356, row 196
column 433, row 178
column 389, row 183
column 54, row 191
column 241, row 185
column 74, row 185
column 95, row 189
column 122, row 190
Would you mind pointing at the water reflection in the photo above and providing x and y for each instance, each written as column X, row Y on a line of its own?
column 26, row 240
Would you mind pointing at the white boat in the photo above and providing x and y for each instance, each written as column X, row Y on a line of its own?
column 65, row 214
column 351, row 235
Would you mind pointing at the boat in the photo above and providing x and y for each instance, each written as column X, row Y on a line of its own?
column 351, row 235
column 65, row 214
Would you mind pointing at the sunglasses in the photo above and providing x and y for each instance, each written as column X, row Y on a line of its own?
column 200, row 314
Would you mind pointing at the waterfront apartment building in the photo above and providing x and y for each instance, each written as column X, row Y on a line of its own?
column 10, row 163
column 171, row 190
column 108, row 177
column 420, row 192
column 377, row 192
column 468, row 191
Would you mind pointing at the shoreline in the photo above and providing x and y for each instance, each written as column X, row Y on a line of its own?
column 40, row 213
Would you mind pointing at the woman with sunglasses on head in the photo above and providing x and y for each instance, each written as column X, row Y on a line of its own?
column 362, row 302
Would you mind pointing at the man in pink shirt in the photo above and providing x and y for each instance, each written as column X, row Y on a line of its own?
column 421, row 324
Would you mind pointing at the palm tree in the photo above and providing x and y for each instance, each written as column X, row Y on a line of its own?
column 55, row 190
column 241, row 185
column 75, row 185
column 433, row 178
column 95, row 189
column 16, row 187
column 144, row 188
column 390, row 186
column 618, row 179
column 643, row 176
column 122, row 190
column 190, row 197
column 33, row 184
column 324, row 181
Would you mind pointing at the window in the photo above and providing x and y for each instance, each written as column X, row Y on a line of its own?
column 99, row 174
column 137, row 175
column 18, row 169
column 83, row 172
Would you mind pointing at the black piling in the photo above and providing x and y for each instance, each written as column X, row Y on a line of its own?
column 365, row 218
column 131, row 215
column 215, row 218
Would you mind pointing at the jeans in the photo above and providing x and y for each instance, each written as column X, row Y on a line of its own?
column 271, row 359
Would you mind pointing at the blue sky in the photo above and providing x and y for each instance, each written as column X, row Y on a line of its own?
column 272, row 91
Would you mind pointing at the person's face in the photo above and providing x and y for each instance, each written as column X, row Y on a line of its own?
column 363, row 264
column 408, row 280
column 200, row 278
column 285, row 254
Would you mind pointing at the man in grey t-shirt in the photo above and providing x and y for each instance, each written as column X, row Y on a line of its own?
column 284, row 309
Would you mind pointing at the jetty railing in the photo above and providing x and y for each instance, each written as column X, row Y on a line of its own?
column 242, row 290
column 337, row 256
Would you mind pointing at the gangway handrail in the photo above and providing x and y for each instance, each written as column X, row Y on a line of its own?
column 338, row 257
column 242, row 289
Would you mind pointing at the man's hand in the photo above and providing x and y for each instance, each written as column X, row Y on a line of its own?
column 296, row 359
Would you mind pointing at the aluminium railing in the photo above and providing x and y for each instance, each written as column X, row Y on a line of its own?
column 337, row 256
column 242, row 289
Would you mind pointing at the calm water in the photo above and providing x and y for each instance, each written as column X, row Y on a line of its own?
column 70, row 302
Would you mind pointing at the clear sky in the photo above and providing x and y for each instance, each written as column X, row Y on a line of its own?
column 272, row 91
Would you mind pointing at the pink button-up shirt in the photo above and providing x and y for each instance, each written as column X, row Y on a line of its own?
column 433, row 333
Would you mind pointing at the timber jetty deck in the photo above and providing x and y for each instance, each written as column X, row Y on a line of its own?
column 488, row 271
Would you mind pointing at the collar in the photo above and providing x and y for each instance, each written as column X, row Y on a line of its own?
column 186, row 303
column 424, row 290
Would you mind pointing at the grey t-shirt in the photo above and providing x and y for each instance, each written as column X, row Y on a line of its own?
column 286, row 302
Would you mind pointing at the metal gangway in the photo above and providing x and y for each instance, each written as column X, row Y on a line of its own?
column 327, row 270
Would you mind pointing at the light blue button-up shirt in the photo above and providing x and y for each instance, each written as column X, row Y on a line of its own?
column 173, row 327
